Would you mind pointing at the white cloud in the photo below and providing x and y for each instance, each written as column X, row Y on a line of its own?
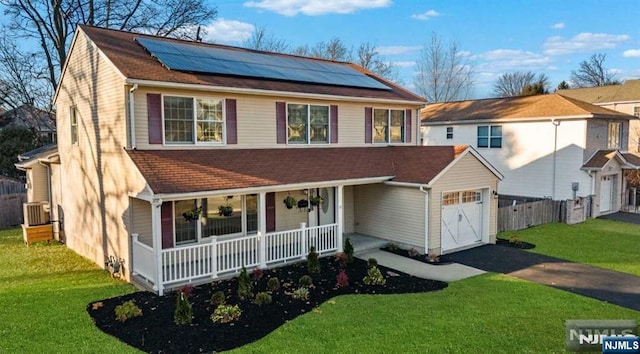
column 631, row 53
column 426, row 15
column 494, row 63
column 559, row 25
column 404, row 64
column 228, row 31
column 316, row 7
column 583, row 42
column 397, row 49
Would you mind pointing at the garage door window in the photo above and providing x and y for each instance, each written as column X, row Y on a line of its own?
column 451, row 198
column 471, row 197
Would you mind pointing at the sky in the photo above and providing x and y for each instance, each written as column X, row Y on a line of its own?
column 550, row 37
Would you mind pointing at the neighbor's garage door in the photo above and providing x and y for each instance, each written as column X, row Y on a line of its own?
column 461, row 219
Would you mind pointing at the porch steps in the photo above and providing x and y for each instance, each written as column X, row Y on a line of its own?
column 362, row 243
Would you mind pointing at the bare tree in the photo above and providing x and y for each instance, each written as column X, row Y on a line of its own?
column 369, row 58
column 334, row 49
column 592, row 73
column 262, row 40
column 51, row 22
column 443, row 73
column 521, row 83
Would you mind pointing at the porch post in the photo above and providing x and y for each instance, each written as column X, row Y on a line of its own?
column 214, row 256
column 134, row 240
column 262, row 229
column 304, row 240
column 340, row 213
column 157, row 244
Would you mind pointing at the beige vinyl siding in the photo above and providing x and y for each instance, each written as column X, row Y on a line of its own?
column 38, row 183
column 289, row 219
column 141, row 221
column 468, row 173
column 56, row 195
column 97, row 175
column 348, row 210
column 256, row 119
column 389, row 212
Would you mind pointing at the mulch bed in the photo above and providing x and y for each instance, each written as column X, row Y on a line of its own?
column 442, row 260
column 515, row 244
column 156, row 332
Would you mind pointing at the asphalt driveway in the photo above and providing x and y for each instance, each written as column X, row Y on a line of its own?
column 607, row 285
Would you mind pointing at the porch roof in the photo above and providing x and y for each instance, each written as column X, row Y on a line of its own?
column 188, row 171
column 600, row 158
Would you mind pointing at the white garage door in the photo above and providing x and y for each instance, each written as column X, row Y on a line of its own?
column 606, row 193
column 461, row 219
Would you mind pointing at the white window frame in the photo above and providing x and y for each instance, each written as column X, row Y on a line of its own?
column 614, row 135
column 388, row 132
column 195, row 141
column 489, row 137
column 308, row 132
column 73, row 122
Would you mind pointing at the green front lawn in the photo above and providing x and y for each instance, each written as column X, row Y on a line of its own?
column 45, row 289
column 602, row 243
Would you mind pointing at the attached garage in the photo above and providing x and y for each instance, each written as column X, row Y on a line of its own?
column 462, row 214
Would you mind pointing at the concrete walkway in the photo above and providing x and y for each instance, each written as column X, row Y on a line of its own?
column 607, row 285
column 445, row 272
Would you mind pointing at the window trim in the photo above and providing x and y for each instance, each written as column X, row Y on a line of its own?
column 388, row 135
column 195, row 122
column 618, row 135
column 489, row 137
column 308, row 142
column 73, row 116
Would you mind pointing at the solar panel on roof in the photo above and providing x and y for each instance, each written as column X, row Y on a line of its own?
column 212, row 60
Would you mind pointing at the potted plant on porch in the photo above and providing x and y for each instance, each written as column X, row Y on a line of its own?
column 290, row 202
column 316, row 200
column 193, row 214
column 226, row 209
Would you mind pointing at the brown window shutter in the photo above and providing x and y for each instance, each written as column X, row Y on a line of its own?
column 166, row 222
column 368, row 124
column 154, row 117
column 281, row 122
column 333, row 113
column 270, row 202
column 231, row 121
column 407, row 126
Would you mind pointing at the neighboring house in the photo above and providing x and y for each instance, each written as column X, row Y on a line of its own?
column 28, row 116
column 176, row 157
column 545, row 145
column 623, row 98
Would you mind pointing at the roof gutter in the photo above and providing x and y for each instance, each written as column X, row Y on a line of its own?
column 239, row 90
column 408, row 184
column 427, row 122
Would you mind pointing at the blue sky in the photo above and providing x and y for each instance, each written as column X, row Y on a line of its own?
column 550, row 37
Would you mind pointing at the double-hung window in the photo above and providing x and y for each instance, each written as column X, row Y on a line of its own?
column 388, row 125
column 613, row 135
column 449, row 132
column 73, row 118
column 189, row 120
column 308, row 124
column 490, row 136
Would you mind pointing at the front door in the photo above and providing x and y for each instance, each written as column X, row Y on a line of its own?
column 606, row 194
column 323, row 214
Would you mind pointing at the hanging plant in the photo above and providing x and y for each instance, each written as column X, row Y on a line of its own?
column 225, row 210
column 316, row 200
column 303, row 203
column 290, row 202
column 193, row 214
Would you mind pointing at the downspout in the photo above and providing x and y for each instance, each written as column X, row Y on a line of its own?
column 418, row 128
column 132, row 117
column 555, row 150
column 426, row 219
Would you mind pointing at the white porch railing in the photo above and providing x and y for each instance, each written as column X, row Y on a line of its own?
column 219, row 256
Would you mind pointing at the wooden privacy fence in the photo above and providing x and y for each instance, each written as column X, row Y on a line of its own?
column 12, row 195
column 522, row 216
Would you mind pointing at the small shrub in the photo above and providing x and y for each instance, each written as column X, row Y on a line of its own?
column 301, row 293
column 257, row 274
column 218, row 298
column 226, row 314
column 433, row 258
column 515, row 240
column 313, row 264
column 273, row 284
column 392, row 246
column 305, row 281
column 262, row 298
column 372, row 262
column 245, row 288
column 413, row 252
column 342, row 279
column 348, row 249
column 342, row 259
column 183, row 314
column 127, row 310
column 374, row 277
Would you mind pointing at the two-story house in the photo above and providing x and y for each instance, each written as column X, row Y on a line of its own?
column 547, row 146
column 188, row 161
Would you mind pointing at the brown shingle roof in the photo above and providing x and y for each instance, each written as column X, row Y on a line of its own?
column 131, row 59
column 599, row 159
column 184, row 171
column 552, row 105
column 629, row 91
column 632, row 159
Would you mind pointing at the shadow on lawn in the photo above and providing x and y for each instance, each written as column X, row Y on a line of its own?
column 156, row 332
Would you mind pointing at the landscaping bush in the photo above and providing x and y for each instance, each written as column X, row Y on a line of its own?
column 342, row 259
column 127, row 310
column 226, row 314
column 342, row 279
column 313, row 263
column 374, row 277
column 257, row 274
column 218, row 298
column 348, row 249
column 372, row 262
column 245, row 288
column 273, row 284
column 262, row 298
column 183, row 314
column 301, row 293
column 305, row 281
